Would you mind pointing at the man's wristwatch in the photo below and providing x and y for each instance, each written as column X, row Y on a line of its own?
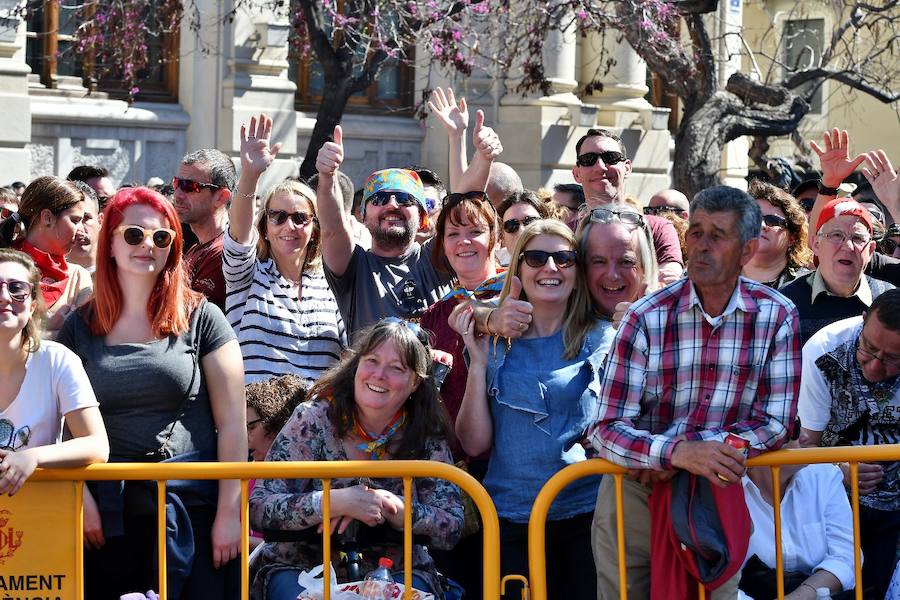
column 824, row 190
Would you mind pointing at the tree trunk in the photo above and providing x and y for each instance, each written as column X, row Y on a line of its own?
column 698, row 148
column 336, row 93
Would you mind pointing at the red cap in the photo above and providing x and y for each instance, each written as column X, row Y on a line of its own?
column 385, row 562
column 840, row 207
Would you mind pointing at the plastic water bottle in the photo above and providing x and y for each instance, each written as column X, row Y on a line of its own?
column 379, row 584
column 823, row 593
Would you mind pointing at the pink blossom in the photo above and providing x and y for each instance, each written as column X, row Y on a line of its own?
column 436, row 48
column 582, row 15
column 646, row 24
column 481, row 8
column 456, row 35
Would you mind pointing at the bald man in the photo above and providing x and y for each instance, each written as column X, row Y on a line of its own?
column 503, row 182
column 670, row 199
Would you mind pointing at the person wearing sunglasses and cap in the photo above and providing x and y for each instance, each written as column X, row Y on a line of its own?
column 602, row 167
column 712, row 354
column 529, row 402
column 396, row 277
column 46, row 226
column 783, row 252
column 278, row 301
column 166, row 369
column 203, row 188
column 838, row 288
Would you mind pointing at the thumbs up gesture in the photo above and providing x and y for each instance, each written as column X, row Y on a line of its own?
column 331, row 154
column 513, row 317
column 486, row 140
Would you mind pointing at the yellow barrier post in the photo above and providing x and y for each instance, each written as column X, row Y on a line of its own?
column 776, row 507
column 245, row 538
column 854, row 506
column 326, row 537
column 407, row 538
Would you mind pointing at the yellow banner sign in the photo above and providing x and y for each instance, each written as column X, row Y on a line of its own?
column 38, row 537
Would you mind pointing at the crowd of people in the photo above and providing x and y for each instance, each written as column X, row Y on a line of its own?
column 508, row 331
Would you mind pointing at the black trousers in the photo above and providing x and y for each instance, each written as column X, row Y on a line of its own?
column 128, row 563
column 879, row 530
column 571, row 574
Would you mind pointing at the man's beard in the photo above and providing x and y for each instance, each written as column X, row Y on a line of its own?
column 394, row 238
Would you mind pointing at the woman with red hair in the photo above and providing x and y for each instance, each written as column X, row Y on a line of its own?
column 167, row 371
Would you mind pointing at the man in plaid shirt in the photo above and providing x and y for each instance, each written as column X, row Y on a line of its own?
column 708, row 355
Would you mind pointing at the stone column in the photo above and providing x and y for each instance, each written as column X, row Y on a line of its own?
column 624, row 85
column 16, row 132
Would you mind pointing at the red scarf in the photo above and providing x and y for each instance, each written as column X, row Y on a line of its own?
column 54, row 271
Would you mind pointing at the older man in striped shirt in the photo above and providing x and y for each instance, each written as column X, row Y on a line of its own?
column 706, row 356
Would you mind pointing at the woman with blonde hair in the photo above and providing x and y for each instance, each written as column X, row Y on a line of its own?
column 277, row 300
column 783, row 254
column 51, row 215
column 529, row 402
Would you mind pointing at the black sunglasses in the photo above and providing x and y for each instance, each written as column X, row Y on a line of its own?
column 134, row 235
column 563, row 259
column 888, row 246
column 658, row 210
column 17, row 290
column 511, row 226
column 189, row 186
column 451, row 200
column 383, row 197
column 774, row 221
column 589, row 159
column 280, row 217
column 807, row 204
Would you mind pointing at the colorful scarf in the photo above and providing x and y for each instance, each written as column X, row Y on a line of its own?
column 376, row 445
column 54, row 271
column 488, row 288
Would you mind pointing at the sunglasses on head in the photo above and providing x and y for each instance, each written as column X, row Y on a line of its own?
column 774, row 221
column 658, row 210
column 189, row 186
column 605, row 215
column 134, row 235
column 17, row 290
column 451, row 200
column 280, row 217
column 417, row 331
column 609, row 158
column 401, row 198
column 563, row 259
column 511, row 226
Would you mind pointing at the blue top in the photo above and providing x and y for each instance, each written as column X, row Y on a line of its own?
column 541, row 405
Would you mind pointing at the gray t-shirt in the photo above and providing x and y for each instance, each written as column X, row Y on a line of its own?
column 374, row 287
column 141, row 387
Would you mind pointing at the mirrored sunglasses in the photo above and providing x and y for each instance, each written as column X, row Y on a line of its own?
column 774, row 221
column 609, row 158
column 280, row 217
column 17, row 290
column 189, row 186
column 134, row 235
column 563, row 259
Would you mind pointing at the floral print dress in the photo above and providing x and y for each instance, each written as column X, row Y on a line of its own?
column 290, row 505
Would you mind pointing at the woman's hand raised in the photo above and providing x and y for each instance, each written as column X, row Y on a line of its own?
column 462, row 321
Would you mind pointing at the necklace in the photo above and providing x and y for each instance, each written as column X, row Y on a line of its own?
column 376, row 445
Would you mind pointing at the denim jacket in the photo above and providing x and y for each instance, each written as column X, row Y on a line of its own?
column 541, row 406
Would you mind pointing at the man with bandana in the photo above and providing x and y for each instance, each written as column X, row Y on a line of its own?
column 850, row 396
column 395, row 277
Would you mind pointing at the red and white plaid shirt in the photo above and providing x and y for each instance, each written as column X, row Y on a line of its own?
column 675, row 373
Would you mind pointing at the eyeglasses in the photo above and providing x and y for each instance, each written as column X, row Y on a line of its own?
column 609, row 158
column 17, row 290
column 563, row 259
column 774, row 221
column 189, row 186
column 605, row 215
column 658, row 210
column 511, row 226
column 280, row 217
column 420, row 333
column 401, row 198
column 134, row 235
column 890, row 361
column 839, row 238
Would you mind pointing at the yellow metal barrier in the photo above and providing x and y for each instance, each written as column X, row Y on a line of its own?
column 806, row 456
column 326, row 471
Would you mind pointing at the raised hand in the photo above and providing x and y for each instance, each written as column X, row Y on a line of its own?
column 513, row 317
column 256, row 153
column 454, row 115
column 331, row 154
column 834, row 158
column 885, row 181
column 486, row 140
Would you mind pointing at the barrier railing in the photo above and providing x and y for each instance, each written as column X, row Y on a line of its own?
column 773, row 460
column 326, row 471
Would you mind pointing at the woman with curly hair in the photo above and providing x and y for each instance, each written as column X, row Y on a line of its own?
column 783, row 253
column 378, row 403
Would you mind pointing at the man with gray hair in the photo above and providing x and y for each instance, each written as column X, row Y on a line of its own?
column 711, row 355
column 203, row 189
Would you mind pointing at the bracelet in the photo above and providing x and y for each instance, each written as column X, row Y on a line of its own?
column 238, row 191
column 810, row 587
column 487, row 322
column 825, row 190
